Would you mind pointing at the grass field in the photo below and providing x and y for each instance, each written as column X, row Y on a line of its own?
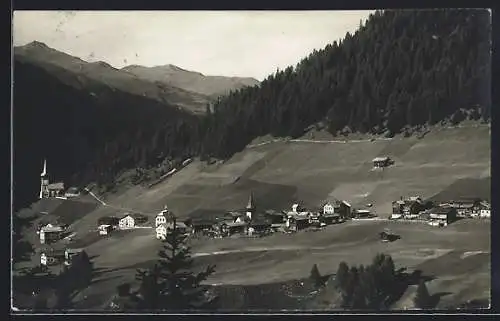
column 447, row 163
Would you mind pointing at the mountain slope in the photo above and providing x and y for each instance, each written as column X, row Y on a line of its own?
column 86, row 130
column 40, row 54
column 402, row 69
column 193, row 81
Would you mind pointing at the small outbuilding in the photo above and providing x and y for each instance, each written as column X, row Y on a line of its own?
column 381, row 162
column 72, row 192
column 105, row 229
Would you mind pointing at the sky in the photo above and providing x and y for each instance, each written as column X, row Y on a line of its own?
column 226, row 43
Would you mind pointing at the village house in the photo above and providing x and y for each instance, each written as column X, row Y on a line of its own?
column 161, row 231
column 465, row 206
column 259, row 225
column 362, row 213
column 408, row 208
column 71, row 254
column 341, row 208
column 442, row 216
column 381, row 162
column 105, row 229
column 126, row 221
column 109, row 220
column 72, row 192
column 161, row 218
column 412, row 207
column 131, row 220
column 50, row 233
column 327, row 219
column 314, row 219
column 485, row 209
column 50, row 257
column 199, row 225
column 230, row 228
column 397, row 209
column 297, row 222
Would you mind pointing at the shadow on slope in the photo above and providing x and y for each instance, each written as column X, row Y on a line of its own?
column 234, row 196
column 71, row 211
column 466, row 187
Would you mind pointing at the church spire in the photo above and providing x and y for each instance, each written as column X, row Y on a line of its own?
column 44, row 172
column 251, row 204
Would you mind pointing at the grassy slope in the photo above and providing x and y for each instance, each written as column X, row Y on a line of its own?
column 281, row 173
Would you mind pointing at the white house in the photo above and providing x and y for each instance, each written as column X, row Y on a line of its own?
column 485, row 211
column 50, row 233
column 161, row 232
column 43, row 259
column 328, row 209
column 126, row 221
column 160, row 219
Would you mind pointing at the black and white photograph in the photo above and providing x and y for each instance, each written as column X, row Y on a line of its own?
column 255, row 162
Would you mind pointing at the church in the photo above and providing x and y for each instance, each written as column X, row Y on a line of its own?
column 48, row 189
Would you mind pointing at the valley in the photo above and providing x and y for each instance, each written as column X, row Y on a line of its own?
column 282, row 173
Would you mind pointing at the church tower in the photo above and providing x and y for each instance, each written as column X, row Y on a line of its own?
column 44, row 181
column 250, row 207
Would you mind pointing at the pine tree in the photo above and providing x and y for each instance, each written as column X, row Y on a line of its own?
column 342, row 275
column 316, row 276
column 422, row 297
column 171, row 285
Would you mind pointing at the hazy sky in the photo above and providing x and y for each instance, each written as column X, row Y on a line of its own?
column 228, row 43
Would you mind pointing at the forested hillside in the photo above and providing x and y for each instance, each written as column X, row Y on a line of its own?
column 401, row 69
column 88, row 134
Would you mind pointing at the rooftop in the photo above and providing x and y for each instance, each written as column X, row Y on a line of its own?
column 58, row 185
column 441, row 210
column 51, row 228
column 73, row 190
column 380, row 159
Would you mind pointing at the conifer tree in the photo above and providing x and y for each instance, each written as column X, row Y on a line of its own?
column 422, row 297
column 316, row 276
column 171, row 284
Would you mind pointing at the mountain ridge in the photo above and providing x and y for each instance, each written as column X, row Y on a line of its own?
column 212, row 86
column 45, row 56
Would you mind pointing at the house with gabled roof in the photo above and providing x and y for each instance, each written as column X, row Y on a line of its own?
column 126, row 221
column 337, row 207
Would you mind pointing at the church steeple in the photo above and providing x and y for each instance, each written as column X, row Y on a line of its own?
column 44, row 181
column 250, row 206
column 44, row 172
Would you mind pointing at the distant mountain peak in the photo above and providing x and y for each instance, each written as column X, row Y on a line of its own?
column 36, row 44
column 102, row 64
column 190, row 80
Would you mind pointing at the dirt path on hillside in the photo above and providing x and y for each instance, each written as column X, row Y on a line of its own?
column 263, row 249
